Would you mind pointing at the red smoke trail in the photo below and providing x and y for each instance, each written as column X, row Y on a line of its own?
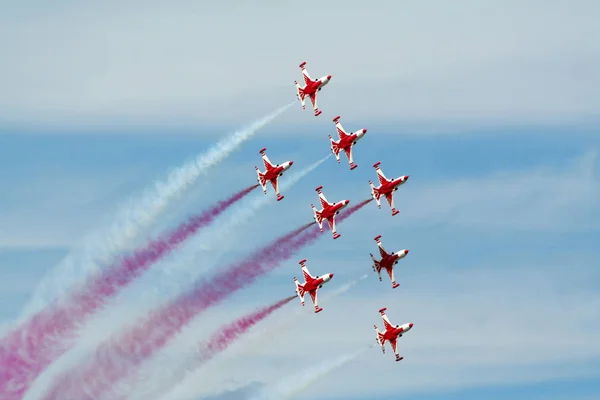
column 226, row 336
column 120, row 357
column 26, row 351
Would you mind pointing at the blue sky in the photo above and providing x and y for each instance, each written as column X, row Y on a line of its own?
column 491, row 110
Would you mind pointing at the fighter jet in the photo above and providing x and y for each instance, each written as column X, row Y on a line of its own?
column 271, row 174
column 391, row 333
column 387, row 261
column 328, row 212
column 386, row 188
column 311, row 285
column 310, row 88
column 346, row 142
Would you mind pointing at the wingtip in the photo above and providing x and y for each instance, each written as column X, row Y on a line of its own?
column 376, row 164
column 302, row 261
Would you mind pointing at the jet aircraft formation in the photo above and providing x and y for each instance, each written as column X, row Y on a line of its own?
column 329, row 210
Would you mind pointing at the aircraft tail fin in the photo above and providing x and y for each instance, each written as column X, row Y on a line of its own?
column 318, row 217
column 300, row 94
column 379, row 338
column 375, row 193
column 335, row 148
column 300, row 290
column 261, row 179
column 376, row 265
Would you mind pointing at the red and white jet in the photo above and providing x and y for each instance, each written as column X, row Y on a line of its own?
column 271, row 174
column 328, row 212
column 391, row 333
column 387, row 262
column 310, row 88
column 386, row 188
column 347, row 140
column 311, row 285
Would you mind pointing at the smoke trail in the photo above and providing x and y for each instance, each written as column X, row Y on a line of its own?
column 27, row 351
column 150, row 379
column 253, row 343
column 219, row 342
column 184, row 268
column 136, row 214
column 243, row 215
column 225, row 337
column 90, row 380
column 291, row 319
column 298, row 382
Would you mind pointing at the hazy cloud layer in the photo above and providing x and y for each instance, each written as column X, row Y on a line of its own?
column 145, row 63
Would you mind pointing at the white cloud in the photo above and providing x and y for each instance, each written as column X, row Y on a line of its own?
column 471, row 328
column 548, row 198
column 55, row 210
column 144, row 63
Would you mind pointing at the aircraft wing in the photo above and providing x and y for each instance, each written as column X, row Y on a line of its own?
column 390, row 272
column 313, row 100
column 275, row 184
column 390, row 199
column 267, row 162
column 348, row 151
column 331, row 222
column 394, row 345
column 323, row 199
column 382, row 250
column 380, row 175
column 386, row 322
column 340, row 129
column 305, row 75
column 380, row 246
column 313, row 297
column 306, row 273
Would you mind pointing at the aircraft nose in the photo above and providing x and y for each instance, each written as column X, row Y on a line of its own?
column 405, row 177
column 328, row 77
column 406, row 252
column 410, row 325
column 330, row 276
column 291, row 163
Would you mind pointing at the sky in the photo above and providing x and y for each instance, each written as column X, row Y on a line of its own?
column 490, row 107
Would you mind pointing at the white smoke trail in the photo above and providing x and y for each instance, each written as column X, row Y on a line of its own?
column 154, row 376
column 291, row 319
column 183, row 266
column 192, row 382
column 136, row 214
column 296, row 383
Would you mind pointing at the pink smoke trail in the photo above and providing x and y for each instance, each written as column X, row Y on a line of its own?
column 120, row 357
column 226, row 336
column 29, row 349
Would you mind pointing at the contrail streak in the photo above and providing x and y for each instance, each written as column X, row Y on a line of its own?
column 184, row 266
column 243, row 215
column 27, row 351
column 296, row 383
column 290, row 320
column 219, row 342
column 99, row 374
column 216, row 234
column 254, row 343
column 135, row 215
